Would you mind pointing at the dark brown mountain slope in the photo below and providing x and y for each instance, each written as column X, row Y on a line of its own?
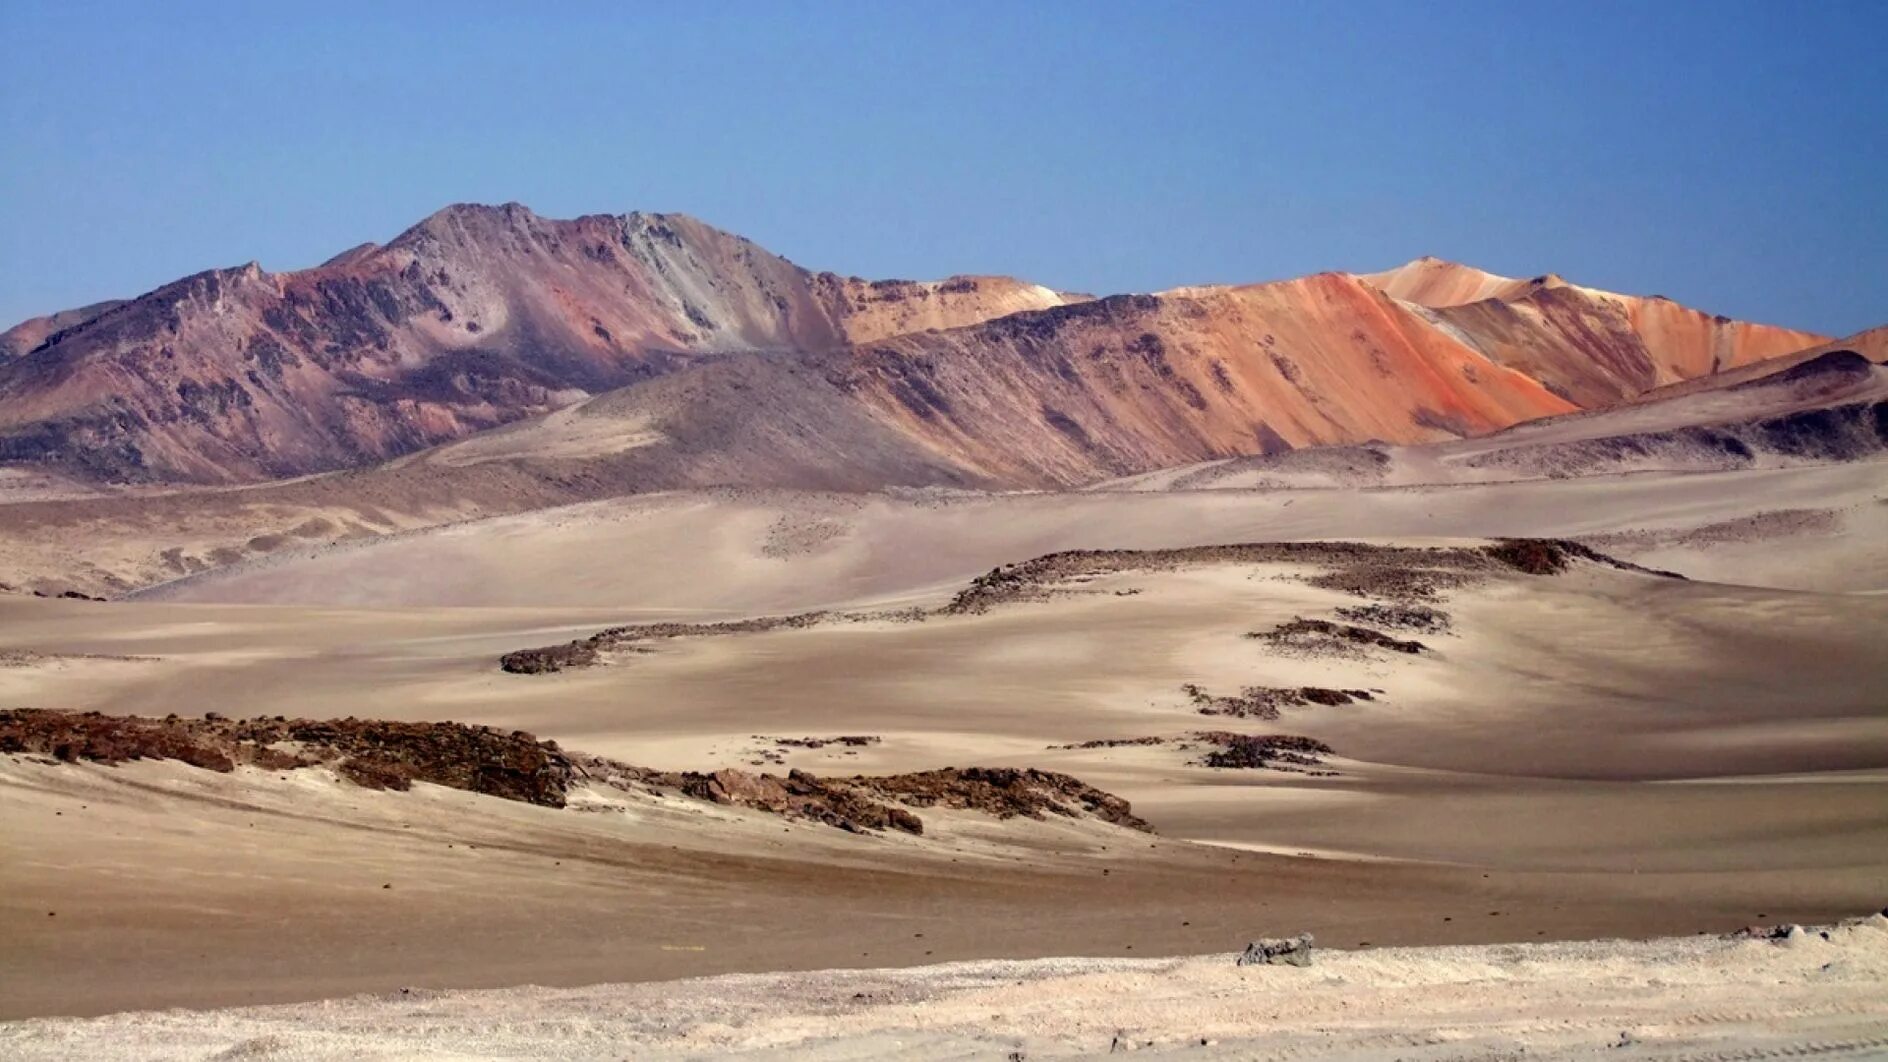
column 35, row 331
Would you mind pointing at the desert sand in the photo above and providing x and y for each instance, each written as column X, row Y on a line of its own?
column 725, row 554
column 1683, row 744
column 492, row 634
column 1815, row 993
column 1597, row 753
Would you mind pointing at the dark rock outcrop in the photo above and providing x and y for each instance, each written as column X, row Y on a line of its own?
column 1005, row 792
column 1257, row 751
column 1265, row 702
column 374, row 754
column 1289, row 951
column 1324, row 636
column 514, row 765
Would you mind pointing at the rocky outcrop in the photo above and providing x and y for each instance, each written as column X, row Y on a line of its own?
column 1005, row 792
column 375, row 754
column 33, row 332
column 587, row 651
column 847, row 806
column 1398, row 572
column 514, row 765
column 1288, row 951
column 1266, row 702
column 1260, row 751
column 1318, row 637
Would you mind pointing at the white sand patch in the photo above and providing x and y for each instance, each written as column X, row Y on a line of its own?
column 1689, row 997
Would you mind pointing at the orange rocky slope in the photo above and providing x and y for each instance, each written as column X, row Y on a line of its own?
column 1595, row 348
column 1138, row 382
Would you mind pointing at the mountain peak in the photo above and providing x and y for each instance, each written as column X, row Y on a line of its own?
column 1439, row 283
column 477, row 315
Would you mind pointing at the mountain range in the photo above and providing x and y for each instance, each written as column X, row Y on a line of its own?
column 661, row 333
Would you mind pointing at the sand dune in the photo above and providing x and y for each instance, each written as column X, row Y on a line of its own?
column 759, row 424
column 730, row 554
column 1441, row 748
column 1595, row 753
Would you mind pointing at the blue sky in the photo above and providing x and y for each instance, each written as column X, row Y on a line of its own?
column 1732, row 156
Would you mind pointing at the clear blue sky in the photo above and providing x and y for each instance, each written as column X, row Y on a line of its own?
column 1733, row 156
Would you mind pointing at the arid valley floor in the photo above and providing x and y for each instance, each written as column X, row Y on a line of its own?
column 748, row 671
column 1594, row 753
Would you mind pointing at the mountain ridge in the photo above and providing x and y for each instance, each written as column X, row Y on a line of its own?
column 480, row 316
column 474, row 317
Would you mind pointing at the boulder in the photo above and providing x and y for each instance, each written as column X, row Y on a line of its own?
column 742, row 789
column 1287, row 951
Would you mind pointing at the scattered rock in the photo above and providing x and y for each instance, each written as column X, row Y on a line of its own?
column 1112, row 743
column 800, row 796
column 1255, row 751
column 1006, row 792
column 1265, row 702
column 1787, row 932
column 588, row 651
column 1404, row 574
column 1360, row 568
column 1551, row 556
column 548, row 658
column 1323, row 637
column 515, row 765
column 375, row 754
column 849, row 740
column 1289, row 951
column 1398, row 617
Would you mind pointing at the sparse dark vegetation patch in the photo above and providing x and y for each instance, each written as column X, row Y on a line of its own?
column 1768, row 525
column 1410, row 583
column 1851, row 432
